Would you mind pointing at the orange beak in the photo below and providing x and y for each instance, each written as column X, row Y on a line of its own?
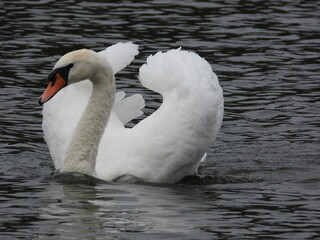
column 52, row 89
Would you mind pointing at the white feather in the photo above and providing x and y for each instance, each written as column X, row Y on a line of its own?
column 128, row 108
column 120, row 55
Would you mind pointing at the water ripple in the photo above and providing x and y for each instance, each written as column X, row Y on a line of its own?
column 265, row 162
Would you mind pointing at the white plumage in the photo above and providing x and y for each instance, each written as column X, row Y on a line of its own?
column 162, row 148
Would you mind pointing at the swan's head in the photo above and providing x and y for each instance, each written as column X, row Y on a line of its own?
column 71, row 68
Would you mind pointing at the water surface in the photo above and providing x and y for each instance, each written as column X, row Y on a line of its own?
column 263, row 169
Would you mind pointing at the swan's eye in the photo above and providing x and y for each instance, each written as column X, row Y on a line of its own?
column 62, row 71
column 70, row 65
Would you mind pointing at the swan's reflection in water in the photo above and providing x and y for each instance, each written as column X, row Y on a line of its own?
column 73, row 211
column 103, row 209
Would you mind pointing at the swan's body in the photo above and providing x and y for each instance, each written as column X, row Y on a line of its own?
column 85, row 131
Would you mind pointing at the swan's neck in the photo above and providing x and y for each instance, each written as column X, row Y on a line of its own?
column 83, row 148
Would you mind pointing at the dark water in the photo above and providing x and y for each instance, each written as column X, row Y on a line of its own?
column 263, row 172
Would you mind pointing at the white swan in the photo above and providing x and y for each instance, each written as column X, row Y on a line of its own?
column 83, row 123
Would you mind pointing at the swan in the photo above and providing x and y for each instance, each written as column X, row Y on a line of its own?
column 84, row 118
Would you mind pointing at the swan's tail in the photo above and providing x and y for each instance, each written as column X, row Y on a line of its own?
column 177, row 69
column 189, row 87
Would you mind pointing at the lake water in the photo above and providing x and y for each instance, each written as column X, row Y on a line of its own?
column 263, row 171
